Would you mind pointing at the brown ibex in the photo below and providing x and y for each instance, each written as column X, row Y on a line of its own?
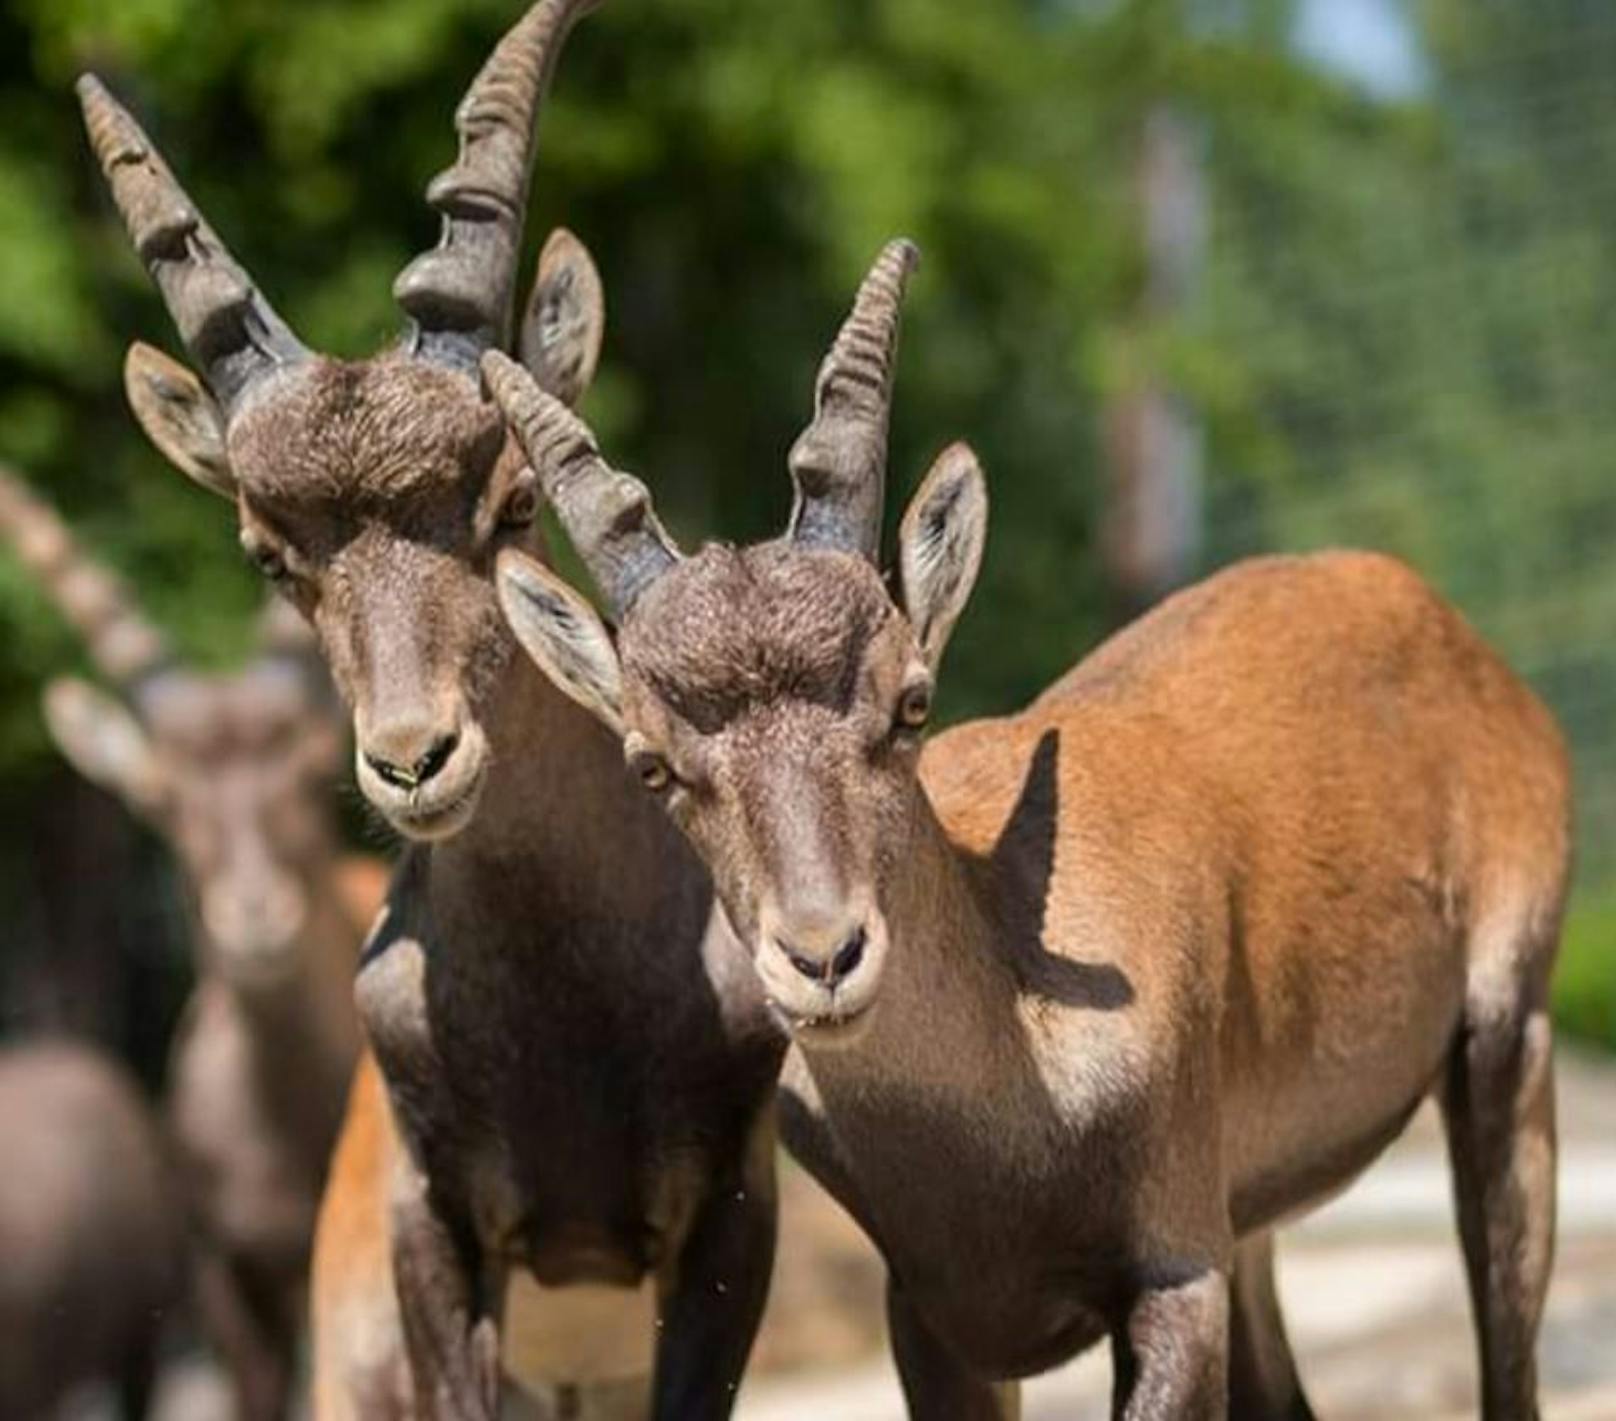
column 578, row 1057
column 237, row 774
column 90, row 1231
column 1088, row 999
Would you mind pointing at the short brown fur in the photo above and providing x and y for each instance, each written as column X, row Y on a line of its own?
column 1089, row 999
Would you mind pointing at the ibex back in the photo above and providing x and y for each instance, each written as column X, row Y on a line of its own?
column 1088, row 999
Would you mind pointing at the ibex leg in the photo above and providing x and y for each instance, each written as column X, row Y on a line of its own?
column 937, row 1385
column 1498, row 1105
column 1263, row 1384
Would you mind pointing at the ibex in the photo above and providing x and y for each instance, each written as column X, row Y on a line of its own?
column 1087, row 1000
column 90, row 1231
column 236, row 773
column 579, row 1061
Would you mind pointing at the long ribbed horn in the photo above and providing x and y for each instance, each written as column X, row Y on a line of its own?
column 230, row 329
column 608, row 515
column 125, row 647
column 839, row 462
column 459, row 296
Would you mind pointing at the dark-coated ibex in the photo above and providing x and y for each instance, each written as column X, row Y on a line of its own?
column 92, row 1254
column 579, row 1059
column 1088, row 999
column 237, row 773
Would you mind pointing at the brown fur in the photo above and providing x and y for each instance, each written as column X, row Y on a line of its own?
column 90, row 1231
column 260, row 1058
column 1147, row 968
column 524, row 987
column 236, row 772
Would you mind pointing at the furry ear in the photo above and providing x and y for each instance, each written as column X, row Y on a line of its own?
column 565, row 319
column 563, row 634
column 104, row 742
column 940, row 547
column 179, row 416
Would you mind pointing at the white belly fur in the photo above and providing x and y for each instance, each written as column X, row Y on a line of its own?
column 576, row 1335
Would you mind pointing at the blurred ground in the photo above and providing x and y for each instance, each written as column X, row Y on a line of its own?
column 1373, row 1291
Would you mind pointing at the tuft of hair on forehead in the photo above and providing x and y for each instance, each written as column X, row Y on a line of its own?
column 731, row 629
column 371, row 430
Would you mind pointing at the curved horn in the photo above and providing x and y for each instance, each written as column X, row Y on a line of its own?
column 125, row 647
column 233, row 333
column 608, row 515
column 459, row 295
column 838, row 464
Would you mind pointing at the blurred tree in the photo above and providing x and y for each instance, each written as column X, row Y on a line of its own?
column 1400, row 311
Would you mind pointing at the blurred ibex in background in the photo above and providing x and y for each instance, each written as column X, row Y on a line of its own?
column 1088, row 999
column 237, row 774
column 92, row 1253
column 576, row 1052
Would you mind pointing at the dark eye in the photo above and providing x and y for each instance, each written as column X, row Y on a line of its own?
column 521, row 506
column 651, row 770
column 914, row 708
column 267, row 559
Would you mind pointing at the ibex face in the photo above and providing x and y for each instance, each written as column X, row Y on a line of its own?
column 774, row 697
column 375, row 494
column 236, row 773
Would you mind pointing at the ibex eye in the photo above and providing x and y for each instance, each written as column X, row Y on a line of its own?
column 521, row 508
column 652, row 770
column 914, row 707
column 266, row 559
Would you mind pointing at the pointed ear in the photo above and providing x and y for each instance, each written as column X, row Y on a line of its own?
column 563, row 634
column 940, row 547
column 179, row 416
column 565, row 319
column 104, row 742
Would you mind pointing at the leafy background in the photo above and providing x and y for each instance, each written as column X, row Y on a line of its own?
column 1400, row 336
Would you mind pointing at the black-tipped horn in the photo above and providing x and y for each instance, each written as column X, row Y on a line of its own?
column 838, row 464
column 608, row 515
column 459, row 296
column 230, row 329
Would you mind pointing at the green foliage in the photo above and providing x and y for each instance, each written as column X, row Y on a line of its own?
column 1402, row 342
column 1585, row 980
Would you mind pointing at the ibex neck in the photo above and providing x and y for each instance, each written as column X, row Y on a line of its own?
column 304, row 1024
column 558, row 796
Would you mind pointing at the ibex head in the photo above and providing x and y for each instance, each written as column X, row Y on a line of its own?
column 375, row 494
column 234, row 771
column 774, row 697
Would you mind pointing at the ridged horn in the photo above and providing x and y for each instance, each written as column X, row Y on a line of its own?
column 608, row 515
column 459, row 296
column 125, row 647
column 838, row 464
column 231, row 331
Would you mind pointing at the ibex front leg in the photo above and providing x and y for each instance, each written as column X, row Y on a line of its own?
column 937, row 1385
column 712, row 1305
column 1171, row 1352
column 454, row 1352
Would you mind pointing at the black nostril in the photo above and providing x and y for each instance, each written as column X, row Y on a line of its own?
column 829, row 970
column 806, row 965
column 391, row 773
column 848, row 956
column 435, row 758
column 423, row 769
